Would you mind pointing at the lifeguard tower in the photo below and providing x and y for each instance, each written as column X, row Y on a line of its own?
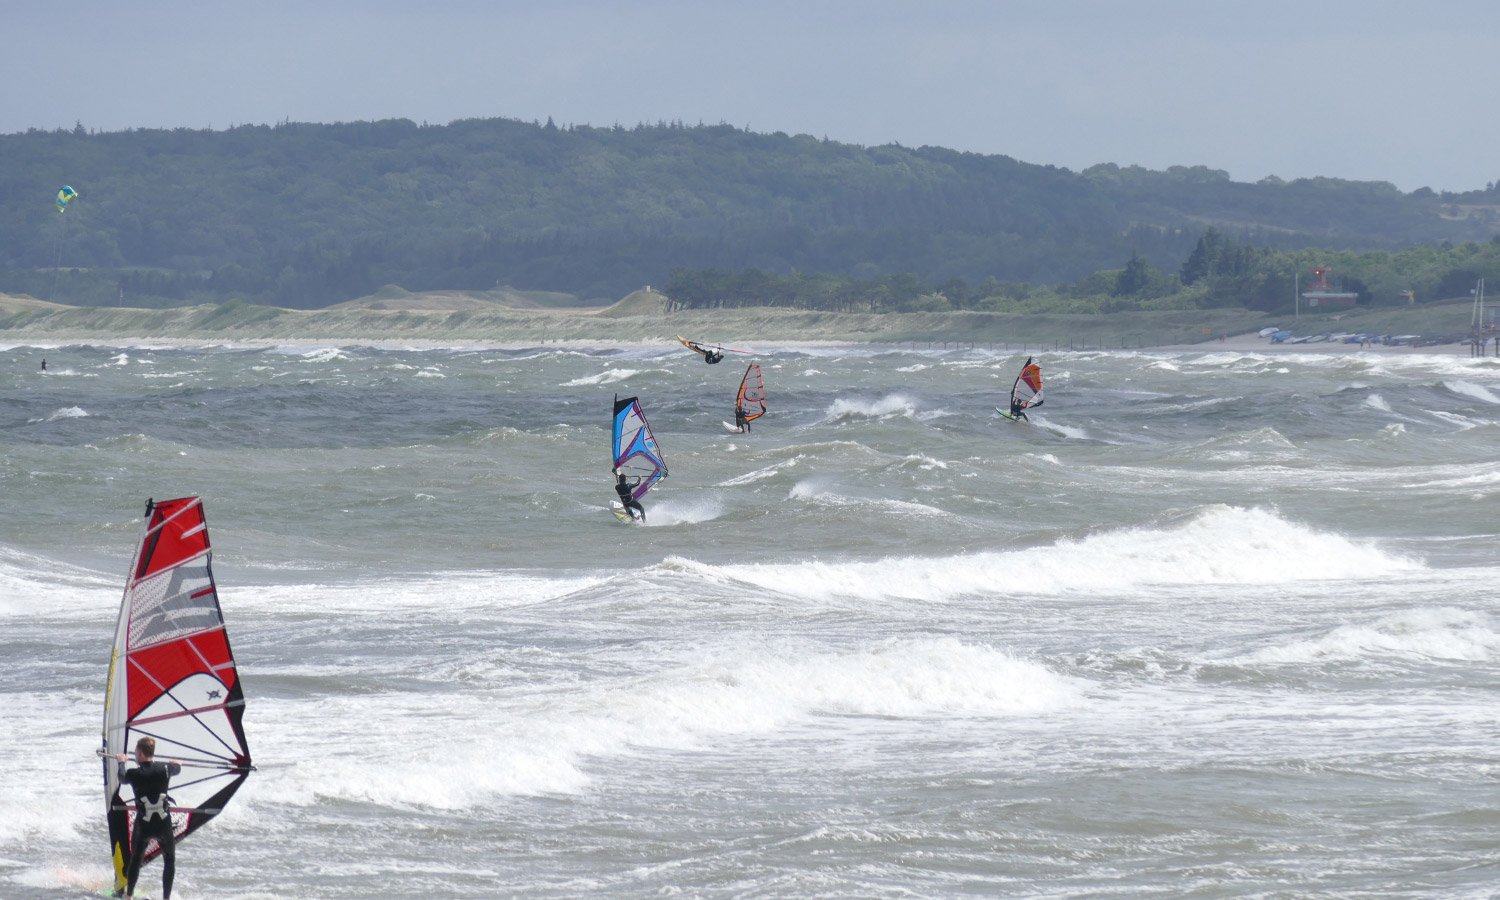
column 1321, row 295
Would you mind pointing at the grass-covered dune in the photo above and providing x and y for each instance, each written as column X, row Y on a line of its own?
column 515, row 317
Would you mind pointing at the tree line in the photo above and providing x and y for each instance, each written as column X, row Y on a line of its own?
column 306, row 215
column 1219, row 272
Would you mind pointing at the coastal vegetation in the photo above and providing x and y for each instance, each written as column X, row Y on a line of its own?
column 302, row 216
column 1219, row 273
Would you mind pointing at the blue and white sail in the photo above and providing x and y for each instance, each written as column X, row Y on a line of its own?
column 636, row 454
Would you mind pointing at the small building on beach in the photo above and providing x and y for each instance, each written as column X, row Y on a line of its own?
column 1321, row 295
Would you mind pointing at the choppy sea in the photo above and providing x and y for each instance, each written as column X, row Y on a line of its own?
column 1213, row 624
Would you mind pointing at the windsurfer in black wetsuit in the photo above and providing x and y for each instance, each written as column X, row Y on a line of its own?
column 710, row 355
column 631, row 504
column 153, row 816
column 742, row 421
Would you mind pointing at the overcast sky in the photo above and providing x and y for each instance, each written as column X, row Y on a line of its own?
column 1359, row 89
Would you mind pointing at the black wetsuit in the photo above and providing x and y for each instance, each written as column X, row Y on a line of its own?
column 740, row 422
column 631, row 504
column 150, row 783
column 712, row 356
column 1017, row 411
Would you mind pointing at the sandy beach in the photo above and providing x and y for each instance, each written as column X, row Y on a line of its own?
column 1251, row 343
column 1246, row 343
column 640, row 321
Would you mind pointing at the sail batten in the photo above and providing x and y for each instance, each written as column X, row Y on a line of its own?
column 172, row 677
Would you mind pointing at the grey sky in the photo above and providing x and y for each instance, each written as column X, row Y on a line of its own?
column 1359, row 89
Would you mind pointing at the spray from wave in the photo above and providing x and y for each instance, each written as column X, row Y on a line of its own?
column 1218, row 545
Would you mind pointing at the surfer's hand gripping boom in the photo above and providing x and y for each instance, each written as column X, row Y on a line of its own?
column 185, row 763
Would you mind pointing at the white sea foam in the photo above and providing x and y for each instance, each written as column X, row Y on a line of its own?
column 1469, row 389
column 1486, row 476
column 684, row 512
column 1432, row 633
column 1462, row 423
column 1375, row 401
column 58, row 737
column 539, row 743
column 1220, row 545
column 324, row 354
column 32, row 586
column 760, row 474
column 380, row 597
column 67, row 412
column 885, row 407
column 1067, row 431
column 608, row 376
column 923, row 461
column 815, row 490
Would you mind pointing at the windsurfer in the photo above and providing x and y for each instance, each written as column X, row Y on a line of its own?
column 711, row 355
column 153, row 817
column 742, row 420
column 44, row 364
column 1017, row 409
column 632, row 505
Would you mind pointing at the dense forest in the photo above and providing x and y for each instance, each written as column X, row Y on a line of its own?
column 304, row 215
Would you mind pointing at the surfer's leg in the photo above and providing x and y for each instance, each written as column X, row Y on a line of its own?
column 137, row 853
column 168, row 843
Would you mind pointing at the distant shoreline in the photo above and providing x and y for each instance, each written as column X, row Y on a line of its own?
column 642, row 320
column 1236, row 344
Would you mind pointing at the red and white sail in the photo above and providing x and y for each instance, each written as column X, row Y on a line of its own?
column 172, row 677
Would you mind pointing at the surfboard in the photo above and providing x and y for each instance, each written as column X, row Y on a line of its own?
column 1007, row 415
column 731, row 427
column 621, row 513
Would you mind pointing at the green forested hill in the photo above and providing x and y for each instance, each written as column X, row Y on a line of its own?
column 306, row 215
